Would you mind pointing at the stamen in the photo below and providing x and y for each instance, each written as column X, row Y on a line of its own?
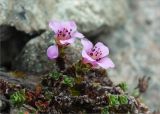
column 93, row 50
column 91, row 54
column 64, row 33
column 98, row 59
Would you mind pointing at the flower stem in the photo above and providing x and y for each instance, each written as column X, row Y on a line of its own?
column 60, row 61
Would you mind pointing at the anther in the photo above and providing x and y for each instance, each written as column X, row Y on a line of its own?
column 91, row 54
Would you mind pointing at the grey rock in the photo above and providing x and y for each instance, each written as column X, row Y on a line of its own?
column 135, row 49
column 33, row 15
column 18, row 110
column 1, row 105
column 33, row 57
column 11, row 43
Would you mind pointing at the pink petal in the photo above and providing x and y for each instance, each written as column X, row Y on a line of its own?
column 87, row 45
column 103, row 48
column 52, row 52
column 87, row 57
column 70, row 25
column 106, row 63
column 78, row 35
column 55, row 25
column 69, row 41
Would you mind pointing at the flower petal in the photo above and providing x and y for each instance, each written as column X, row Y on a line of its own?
column 78, row 35
column 104, row 49
column 70, row 25
column 87, row 45
column 87, row 57
column 55, row 26
column 69, row 41
column 52, row 52
column 106, row 63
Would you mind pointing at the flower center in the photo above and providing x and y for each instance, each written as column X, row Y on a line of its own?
column 95, row 53
column 64, row 34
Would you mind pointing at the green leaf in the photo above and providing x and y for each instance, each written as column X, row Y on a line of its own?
column 105, row 110
column 123, row 99
column 55, row 75
column 113, row 100
column 123, row 86
column 18, row 98
column 68, row 80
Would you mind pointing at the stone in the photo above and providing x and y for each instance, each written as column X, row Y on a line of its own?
column 135, row 49
column 33, row 57
column 31, row 15
column 3, row 104
column 11, row 43
column 19, row 110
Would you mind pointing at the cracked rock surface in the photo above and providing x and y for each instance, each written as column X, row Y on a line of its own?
column 135, row 48
column 31, row 15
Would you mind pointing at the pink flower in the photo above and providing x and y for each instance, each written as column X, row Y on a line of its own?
column 96, row 55
column 65, row 32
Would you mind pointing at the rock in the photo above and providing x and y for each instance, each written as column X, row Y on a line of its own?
column 11, row 43
column 19, row 110
column 33, row 57
column 2, row 105
column 135, row 49
column 30, row 15
column 12, row 77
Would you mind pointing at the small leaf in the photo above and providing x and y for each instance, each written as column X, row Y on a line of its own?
column 123, row 86
column 18, row 98
column 68, row 80
column 123, row 99
column 55, row 75
column 105, row 110
column 113, row 100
